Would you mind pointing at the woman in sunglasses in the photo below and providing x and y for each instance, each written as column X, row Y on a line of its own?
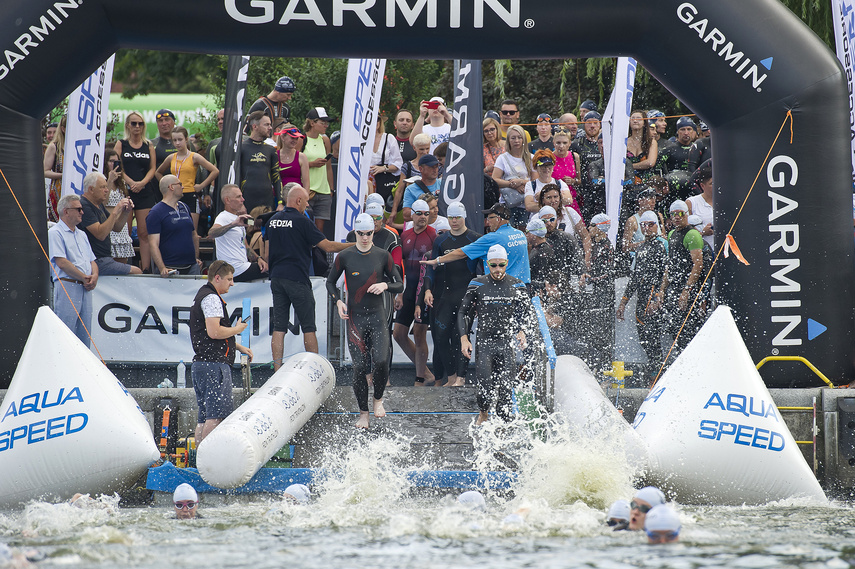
column 293, row 164
column 137, row 156
column 643, row 501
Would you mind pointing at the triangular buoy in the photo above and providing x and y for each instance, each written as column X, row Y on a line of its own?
column 712, row 430
column 67, row 425
column 815, row 328
column 767, row 63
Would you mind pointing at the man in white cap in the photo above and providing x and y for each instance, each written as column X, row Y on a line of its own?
column 298, row 493
column 643, row 501
column 683, row 275
column 599, row 284
column 569, row 258
column 651, row 258
column 503, row 308
column 186, row 502
column 541, row 256
column 618, row 516
column 368, row 272
column 662, row 525
column 444, row 288
column 438, row 119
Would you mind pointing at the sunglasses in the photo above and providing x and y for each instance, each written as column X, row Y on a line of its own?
column 450, row 217
column 80, row 209
column 365, row 233
column 509, row 112
column 549, row 219
column 377, row 217
column 189, row 505
column 660, row 537
column 678, row 213
column 494, row 265
column 648, row 223
column 640, row 507
column 165, row 116
column 421, row 213
column 136, row 123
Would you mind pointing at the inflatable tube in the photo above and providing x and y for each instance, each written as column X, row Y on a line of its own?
column 67, row 425
column 580, row 399
column 231, row 455
column 713, row 431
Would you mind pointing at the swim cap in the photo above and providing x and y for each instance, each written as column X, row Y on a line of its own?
column 497, row 252
column 678, row 205
column 374, row 208
column 686, row 121
column 421, row 206
column 299, row 492
column 536, row 227
column 441, row 224
column 285, row 85
column 650, row 494
column 695, row 221
column 473, row 499
column 456, row 209
column 662, row 518
column 593, row 116
column 363, row 222
column 649, row 216
column 374, row 198
column 602, row 221
column 185, row 492
column 654, row 114
column 546, row 210
column 588, row 104
column 619, row 510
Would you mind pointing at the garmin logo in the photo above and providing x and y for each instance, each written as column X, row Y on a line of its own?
column 783, row 172
column 53, row 16
column 370, row 12
column 737, row 60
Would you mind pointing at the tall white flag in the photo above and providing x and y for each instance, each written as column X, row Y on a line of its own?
column 358, row 123
column 615, row 129
column 843, row 17
column 86, row 127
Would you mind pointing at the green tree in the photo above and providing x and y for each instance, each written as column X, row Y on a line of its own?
column 141, row 72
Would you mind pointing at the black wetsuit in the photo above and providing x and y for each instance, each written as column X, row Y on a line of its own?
column 259, row 168
column 448, row 284
column 680, row 266
column 276, row 111
column 700, row 152
column 651, row 258
column 677, row 157
column 542, row 262
column 568, row 259
column 503, row 308
column 389, row 241
column 600, row 303
column 367, row 325
column 593, row 196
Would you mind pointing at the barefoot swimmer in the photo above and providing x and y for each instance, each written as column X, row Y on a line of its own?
column 369, row 271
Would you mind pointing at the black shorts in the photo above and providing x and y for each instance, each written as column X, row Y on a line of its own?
column 192, row 201
column 407, row 313
column 146, row 198
column 299, row 294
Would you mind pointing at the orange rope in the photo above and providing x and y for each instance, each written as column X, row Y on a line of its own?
column 41, row 246
column 788, row 117
column 582, row 121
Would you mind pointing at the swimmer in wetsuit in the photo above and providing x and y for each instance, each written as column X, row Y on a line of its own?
column 368, row 272
column 502, row 305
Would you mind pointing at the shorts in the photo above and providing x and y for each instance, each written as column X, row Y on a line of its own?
column 212, row 382
column 299, row 294
column 192, row 201
column 407, row 314
column 321, row 206
column 147, row 197
column 253, row 273
column 110, row 266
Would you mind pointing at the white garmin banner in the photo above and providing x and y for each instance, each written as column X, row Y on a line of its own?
column 843, row 18
column 358, row 123
column 86, row 126
column 615, row 129
column 146, row 319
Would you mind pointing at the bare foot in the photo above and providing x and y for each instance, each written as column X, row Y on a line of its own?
column 461, row 382
column 362, row 423
column 482, row 417
column 379, row 410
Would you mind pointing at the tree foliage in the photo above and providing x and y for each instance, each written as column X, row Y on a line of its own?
column 144, row 71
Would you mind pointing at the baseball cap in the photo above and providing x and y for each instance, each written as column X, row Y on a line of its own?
column 165, row 113
column 428, row 160
column 650, row 494
column 654, row 114
column 363, row 222
column 497, row 252
column 456, row 209
column 374, row 198
column 374, row 208
column 593, row 116
column 439, row 100
column 419, row 205
column 686, row 121
column 285, row 85
column 184, row 492
column 547, row 210
column 649, row 216
column 678, row 205
column 499, row 209
column 536, row 227
column 319, row 113
column 473, row 499
column 619, row 510
column 662, row 518
column 299, row 492
column 602, row 221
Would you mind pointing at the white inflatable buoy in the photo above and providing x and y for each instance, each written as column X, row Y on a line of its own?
column 713, row 431
column 580, row 399
column 66, row 424
column 234, row 451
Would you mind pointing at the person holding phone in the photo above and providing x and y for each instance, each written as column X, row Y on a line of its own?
column 213, row 339
column 435, row 121
column 318, row 150
column 229, row 234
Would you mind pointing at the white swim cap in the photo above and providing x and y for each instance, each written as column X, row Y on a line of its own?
column 364, row 222
column 497, row 252
column 441, row 224
column 662, row 518
column 536, row 227
column 695, row 221
column 473, row 499
column 374, row 208
column 546, row 210
column 649, row 216
column 678, row 205
column 602, row 221
column 650, row 494
column 619, row 510
column 185, row 492
column 299, row 492
column 456, row 209
column 420, row 205
column 374, row 198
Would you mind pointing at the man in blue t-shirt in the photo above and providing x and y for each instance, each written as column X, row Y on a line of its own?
column 291, row 236
column 513, row 240
column 430, row 183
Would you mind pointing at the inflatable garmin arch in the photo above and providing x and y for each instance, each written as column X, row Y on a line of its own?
column 66, row 424
column 742, row 66
column 713, row 432
column 231, row 455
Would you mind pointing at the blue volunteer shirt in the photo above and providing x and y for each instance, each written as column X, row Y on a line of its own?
column 291, row 236
column 413, row 192
column 514, row 242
